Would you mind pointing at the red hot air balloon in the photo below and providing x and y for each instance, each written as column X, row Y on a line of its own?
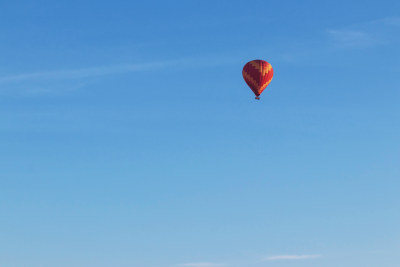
column 257, row 74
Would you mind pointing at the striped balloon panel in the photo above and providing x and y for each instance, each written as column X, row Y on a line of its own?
column 257, row 74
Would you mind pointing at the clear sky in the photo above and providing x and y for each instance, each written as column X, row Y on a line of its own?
column 129, row 138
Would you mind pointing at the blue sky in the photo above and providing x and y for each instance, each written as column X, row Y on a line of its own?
column 129, row 138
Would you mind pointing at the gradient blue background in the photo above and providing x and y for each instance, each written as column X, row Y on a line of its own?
column 129, row 139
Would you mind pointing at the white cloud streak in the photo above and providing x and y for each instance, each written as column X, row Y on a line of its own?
column 84, row 72
column 392, row 21
column 202, row 264
column 351, row 37
column 371, row 33
column 293, row 257
column 108, row 70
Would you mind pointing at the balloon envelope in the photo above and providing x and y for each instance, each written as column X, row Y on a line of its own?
column 257, row 74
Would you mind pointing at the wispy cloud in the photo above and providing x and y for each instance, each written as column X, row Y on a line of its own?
column 112, row 69
column 66, row 80
column 293, row 257
column 370, row 33
column 84, row 72
column 353, row 38
column 391, row 21
column 202, row 264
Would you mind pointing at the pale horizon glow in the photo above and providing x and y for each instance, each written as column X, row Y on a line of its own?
column 202, row 264
column 293, row 257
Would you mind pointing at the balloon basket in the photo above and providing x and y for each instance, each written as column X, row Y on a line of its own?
column 257, row 97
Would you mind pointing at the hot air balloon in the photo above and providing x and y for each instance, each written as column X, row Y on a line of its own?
column 257, row 74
